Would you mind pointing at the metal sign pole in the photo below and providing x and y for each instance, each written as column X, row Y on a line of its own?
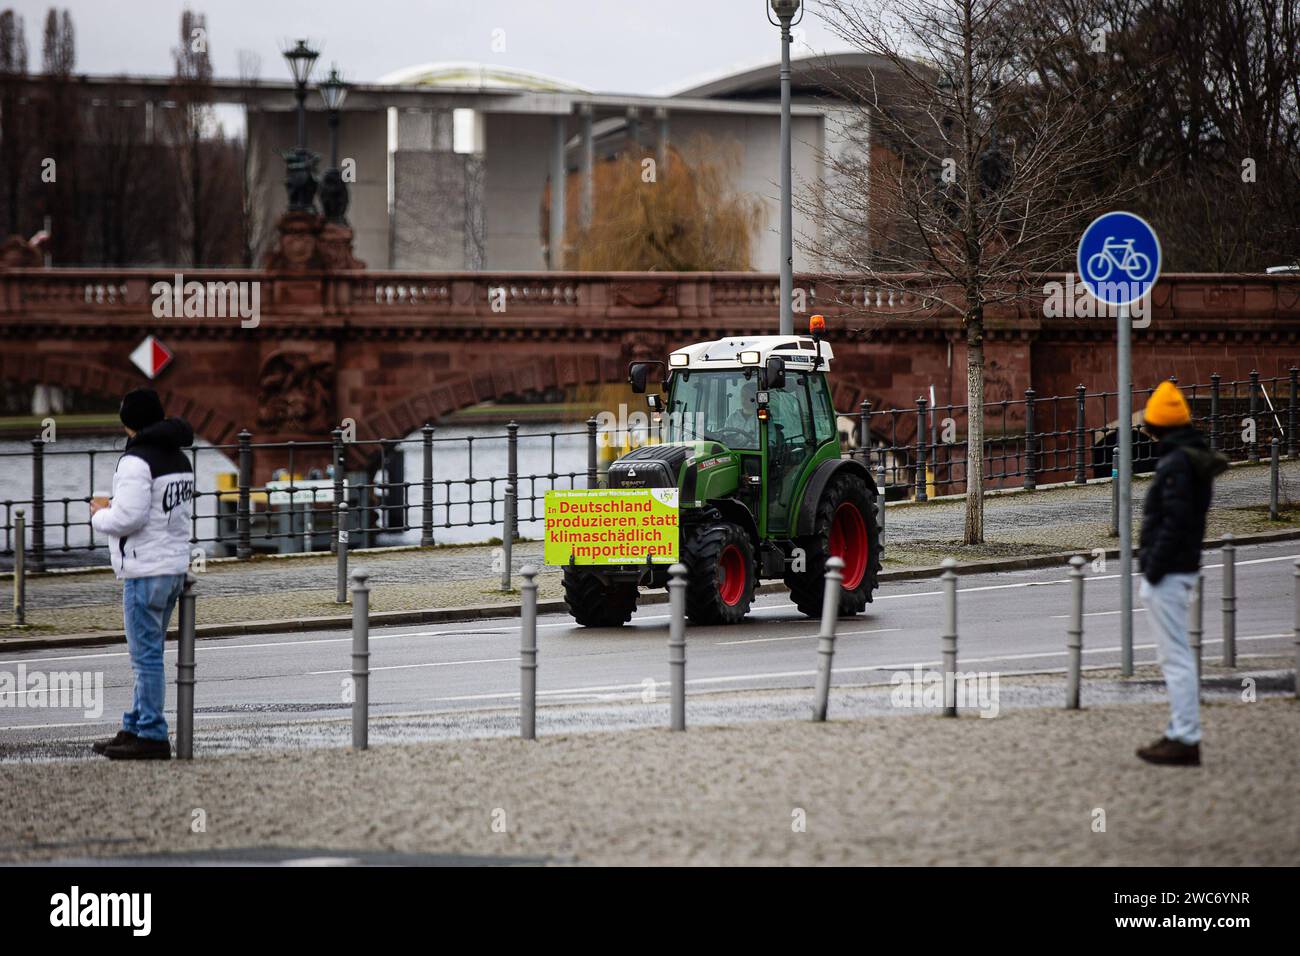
column 1125, row 516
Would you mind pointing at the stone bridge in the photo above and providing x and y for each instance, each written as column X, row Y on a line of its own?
column 394, row 350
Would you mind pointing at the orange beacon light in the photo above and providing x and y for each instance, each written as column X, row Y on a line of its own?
column 817, row 324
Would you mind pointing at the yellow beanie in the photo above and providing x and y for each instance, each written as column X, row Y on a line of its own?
column 1167, row 408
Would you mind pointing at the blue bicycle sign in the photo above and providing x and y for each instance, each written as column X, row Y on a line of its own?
column 1119, row 258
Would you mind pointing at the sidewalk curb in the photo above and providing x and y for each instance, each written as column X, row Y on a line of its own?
column 453, row 615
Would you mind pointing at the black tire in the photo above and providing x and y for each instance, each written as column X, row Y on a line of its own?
column 807, row 587
column 713, row 596
column 593, row 603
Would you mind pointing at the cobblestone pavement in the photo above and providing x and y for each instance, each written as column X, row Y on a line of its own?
column 1043, row 521
column 1024, row 788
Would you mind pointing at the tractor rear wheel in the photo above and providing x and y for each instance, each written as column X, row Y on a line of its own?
column 720, row 559
column 595, row 603
column 845, row 527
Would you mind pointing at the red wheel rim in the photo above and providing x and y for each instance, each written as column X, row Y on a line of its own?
column 848, row 542
column 731, row 575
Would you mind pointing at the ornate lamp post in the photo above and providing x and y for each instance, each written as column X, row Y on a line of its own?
column 300, row 163
column 333, row 191
column 788, row 13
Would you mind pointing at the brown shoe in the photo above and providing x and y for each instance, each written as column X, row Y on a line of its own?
column 1173, row 753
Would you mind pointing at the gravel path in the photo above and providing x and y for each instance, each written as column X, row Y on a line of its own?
column 1023, row 788
column 1044, row 521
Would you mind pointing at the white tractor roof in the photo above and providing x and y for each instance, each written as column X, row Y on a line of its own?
column 799, row 351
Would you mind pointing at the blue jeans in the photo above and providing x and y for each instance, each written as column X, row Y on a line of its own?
column 1168, row 603
column 147, row 605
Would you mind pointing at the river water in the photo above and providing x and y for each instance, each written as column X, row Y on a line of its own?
column 76, row 466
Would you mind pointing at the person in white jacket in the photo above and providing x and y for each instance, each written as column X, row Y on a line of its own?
column 148, row 526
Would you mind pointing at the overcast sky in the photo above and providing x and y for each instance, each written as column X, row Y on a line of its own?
column 627, row 46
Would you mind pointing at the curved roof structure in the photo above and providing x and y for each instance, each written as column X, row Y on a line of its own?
column 468, row 75
column 810, row 75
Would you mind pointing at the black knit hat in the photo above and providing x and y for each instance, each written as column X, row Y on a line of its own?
column 141, row 408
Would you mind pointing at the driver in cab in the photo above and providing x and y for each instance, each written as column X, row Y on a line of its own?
column 743, row 421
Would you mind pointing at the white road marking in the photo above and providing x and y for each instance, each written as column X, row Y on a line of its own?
column 405, row 667
column 804, row 637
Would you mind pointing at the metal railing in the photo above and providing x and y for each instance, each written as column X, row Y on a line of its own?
column 1060, row 438
column 467, row 481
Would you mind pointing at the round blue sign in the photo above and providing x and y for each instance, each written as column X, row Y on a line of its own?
column 1119, row 258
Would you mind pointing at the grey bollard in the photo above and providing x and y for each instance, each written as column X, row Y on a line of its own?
column 826, row 639
column 1196, row 625
column 1297, row 629
column 949, row 639
column 1074, row 634
column 360, row 660
column 1114, row 501
column 1229, row 602
column 20, row 568
column 1273, row 467
column 880, row 499
column 528, row 654
column 507, row 538
column 677, row 643
column 341, row 536
column 185, row 673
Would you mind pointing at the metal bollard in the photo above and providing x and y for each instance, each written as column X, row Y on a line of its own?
column 1196, row 625
column 1031, row 458
column 922, row 450
column 1114, row 498
column 880, row 499
column 1276, row 450
column 948, row 641
column 426, row 488
column 592, row 463
column 38, row 504
column 185, row 673
column 826, row 639
column 1252, row 447
column 243, row 512
column 528, row 654
column 677, row 643
column 1081, row 435
column 20, row 568
column 512, row 474
column 360, row 660
column 507, row 538
column 1229, row 602
column 864, row 432
column 1074, row 634
column 341, row 539
column 1297, row 629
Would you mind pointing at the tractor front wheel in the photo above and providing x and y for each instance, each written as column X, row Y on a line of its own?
column 720, row 559
column 595, row 603
column 845, row 527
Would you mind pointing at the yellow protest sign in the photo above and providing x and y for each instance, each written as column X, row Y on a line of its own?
column 611, row 526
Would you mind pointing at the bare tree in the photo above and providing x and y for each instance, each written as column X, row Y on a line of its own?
column 13, row 115
column 194, row 116
column 962, row 180
column 250, row 68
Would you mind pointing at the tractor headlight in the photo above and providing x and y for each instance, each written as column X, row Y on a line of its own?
column 749, row 358
column 677, row 360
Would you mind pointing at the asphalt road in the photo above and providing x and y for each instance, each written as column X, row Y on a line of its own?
column 463, row 680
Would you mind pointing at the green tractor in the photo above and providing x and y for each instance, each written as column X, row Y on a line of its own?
column 751, row 444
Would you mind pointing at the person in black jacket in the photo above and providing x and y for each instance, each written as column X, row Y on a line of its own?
column 1173, row 526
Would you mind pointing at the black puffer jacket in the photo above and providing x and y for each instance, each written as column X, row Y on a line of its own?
column 1173, row 517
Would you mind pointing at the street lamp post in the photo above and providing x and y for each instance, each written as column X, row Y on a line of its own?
column 300, row 163
column 788, row 13
column 333, row 191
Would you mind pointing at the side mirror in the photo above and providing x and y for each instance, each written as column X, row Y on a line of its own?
column 775, row 372
column 638, row 375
